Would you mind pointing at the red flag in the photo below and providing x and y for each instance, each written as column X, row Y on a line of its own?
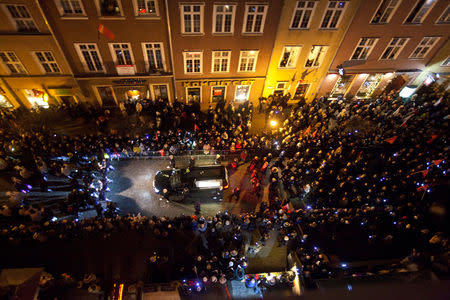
column 142, row 11
column 391, row 140
column 156, row 136
column 438, row 161
column 105, row 31
column 286, row 207
column 161, row 152
column 433, row 137
column 424, row 188
column 307, row 130
column 196, row 127
column 424, row 172
column 314, row 133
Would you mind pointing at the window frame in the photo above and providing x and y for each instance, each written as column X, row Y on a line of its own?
column 194, row 87
column 303, row 15
column 295, row 61
column 424, row 16
column 443, row 14
column 41, row 63
column 83, row 60
column 5, row 64
column 117, row 17
column 146, row 15
column 249, row 92
column 114, row 55
column 13, row 20
column 147, row 62
column 398, row 51
column 256, row 53
column 429, row 48
column 63, row 15
column 214, row 19
column 224, row 93
column 221, row 61
column 443, row 64
column 334, row 9
column 202, row 17
column 246, row 14
column 326, row 47
column 185, row 65
column 370, row 50
column 390, row 16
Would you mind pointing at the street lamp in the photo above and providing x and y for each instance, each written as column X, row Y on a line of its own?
column 273, row 123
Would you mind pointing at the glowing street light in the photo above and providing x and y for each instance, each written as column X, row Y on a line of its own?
column 273, row 123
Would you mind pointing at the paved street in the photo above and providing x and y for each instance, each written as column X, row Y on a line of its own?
column 132, row 189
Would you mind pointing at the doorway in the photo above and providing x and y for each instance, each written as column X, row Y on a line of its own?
column 107, row 95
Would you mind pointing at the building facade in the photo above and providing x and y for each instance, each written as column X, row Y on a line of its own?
column 388, row 44
column 222, row 50
column 33, row 70
column 117, row 49
column 308, row 36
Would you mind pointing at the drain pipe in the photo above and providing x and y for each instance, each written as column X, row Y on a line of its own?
column 169, row 31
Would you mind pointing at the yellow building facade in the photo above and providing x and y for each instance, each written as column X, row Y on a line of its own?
column 309, row 34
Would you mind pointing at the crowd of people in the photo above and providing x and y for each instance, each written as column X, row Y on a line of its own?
column 372, row 171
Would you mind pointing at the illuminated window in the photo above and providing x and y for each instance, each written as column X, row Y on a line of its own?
column 394, row 48
column 289, row 57
column 146, row 8
column 192, row 18
column 90, row 57
column 424, row 47
column 280, row 88
column 47, row 62
column 420, row 11
column 365, row 46
column 255, row 16
column 302, row 14
column 247, row 61
column 316, row 56
column 11, row 62
column 242, row 93
column 223, row 18
column 333, row 14
column 385, row 11
column 21, row 18
column 193, row 62
column 221, row 61
column 154, row 57
column 110, row 8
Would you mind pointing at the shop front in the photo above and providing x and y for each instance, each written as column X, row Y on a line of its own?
column 209, row 92
column 111, row 92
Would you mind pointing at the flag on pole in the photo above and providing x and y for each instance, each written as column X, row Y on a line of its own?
column 307, row 130
column 196, row 127
column 437, row 161
column 433, row 137
column 424, row 188
column 391, row 140
column 314, row 133
column 424, row 172
column 105, row 31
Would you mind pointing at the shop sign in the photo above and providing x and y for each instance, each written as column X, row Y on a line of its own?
column 217, row 82
column 130, row 81
column 62, row 92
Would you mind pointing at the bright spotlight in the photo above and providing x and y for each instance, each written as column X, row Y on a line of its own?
column 273, row 123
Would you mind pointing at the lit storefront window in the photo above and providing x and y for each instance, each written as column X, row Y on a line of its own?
column 193, row 94
column 341, row 86
column 369, row 85
column 218, row 93
column 242, row 93
column 133, row 94
column 37, row 98
column 4, row 102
